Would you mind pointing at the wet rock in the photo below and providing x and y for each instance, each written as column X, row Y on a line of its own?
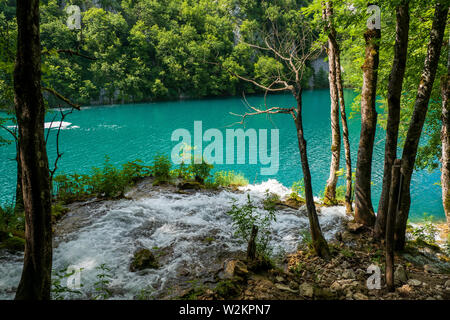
column 414, row 282
column 235, row 268
column 400, row 275
column 306, row 290
column 189, row 185
column 143, row 259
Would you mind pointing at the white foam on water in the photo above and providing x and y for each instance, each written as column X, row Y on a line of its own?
column 178, row 224
column 56, row 124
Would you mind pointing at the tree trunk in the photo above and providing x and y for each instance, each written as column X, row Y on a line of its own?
column 445, row 137
column 393, row 99
column 36, row 275
column 418, row 118
column 319, row 243
column 251, row 246
column 330, row 189
column 345, row 134
column 390, row 222
column 363, row 203
column 18, row 206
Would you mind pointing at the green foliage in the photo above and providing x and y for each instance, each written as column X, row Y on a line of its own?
column 59, row 289
column 11, row 220
column 107, row 182
column 321, row 79
column 103, row 281
column 306, row 239
column 245, row 217
column 298, row 190
column 426, row 231
column 229, row 179
column 200, row 171
column 227, row 289
column 161, row 168
column 270, row 201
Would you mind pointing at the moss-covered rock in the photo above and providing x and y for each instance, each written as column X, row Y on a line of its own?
column 227, row 289
column 143, row 259
column 13, row 244
column 58, row 211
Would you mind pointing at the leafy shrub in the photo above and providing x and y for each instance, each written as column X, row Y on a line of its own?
column 427, row 231
column 58, row 287
column 11, row 220
column 108, row 181
column 245, row 217
column 161, row 168
column 200, row 171
column 103, row 281
column 298, row 190
column 229, row 179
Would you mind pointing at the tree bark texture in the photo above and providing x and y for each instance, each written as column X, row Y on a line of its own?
column 393, row 121
column 363, row 203
column 35, row 282
column 418, row 118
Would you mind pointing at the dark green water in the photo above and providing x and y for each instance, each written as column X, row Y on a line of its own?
column 139, row 131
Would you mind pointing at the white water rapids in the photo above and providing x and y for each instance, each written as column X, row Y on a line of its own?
column 180, row 225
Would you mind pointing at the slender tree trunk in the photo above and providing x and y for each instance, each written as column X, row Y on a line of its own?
column 319, row 243
column 393, row 98
column 418, row 118
column 445, row 137
column 345, row 133
column 18, row 206
column 330, row 189
column 36, row 275
column 363, row 203
column 390, row 222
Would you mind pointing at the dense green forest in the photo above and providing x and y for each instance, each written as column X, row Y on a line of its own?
column 145, row 50
column 156, row 50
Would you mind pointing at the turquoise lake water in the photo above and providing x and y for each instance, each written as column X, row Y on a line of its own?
column 140, row 131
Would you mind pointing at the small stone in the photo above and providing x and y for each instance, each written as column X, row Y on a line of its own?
column 405, row 290
column 400, row 275
column 360, row 296
column 235, row 268
column 430, row 269
column 348, row 274
column 414, row 282
column 306, row 290
column 335, row 286
column 284, row 287
column 354, row 227
column 447, row 284
column 293, row 285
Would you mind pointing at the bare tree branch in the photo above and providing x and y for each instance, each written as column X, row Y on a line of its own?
column 61, row 97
